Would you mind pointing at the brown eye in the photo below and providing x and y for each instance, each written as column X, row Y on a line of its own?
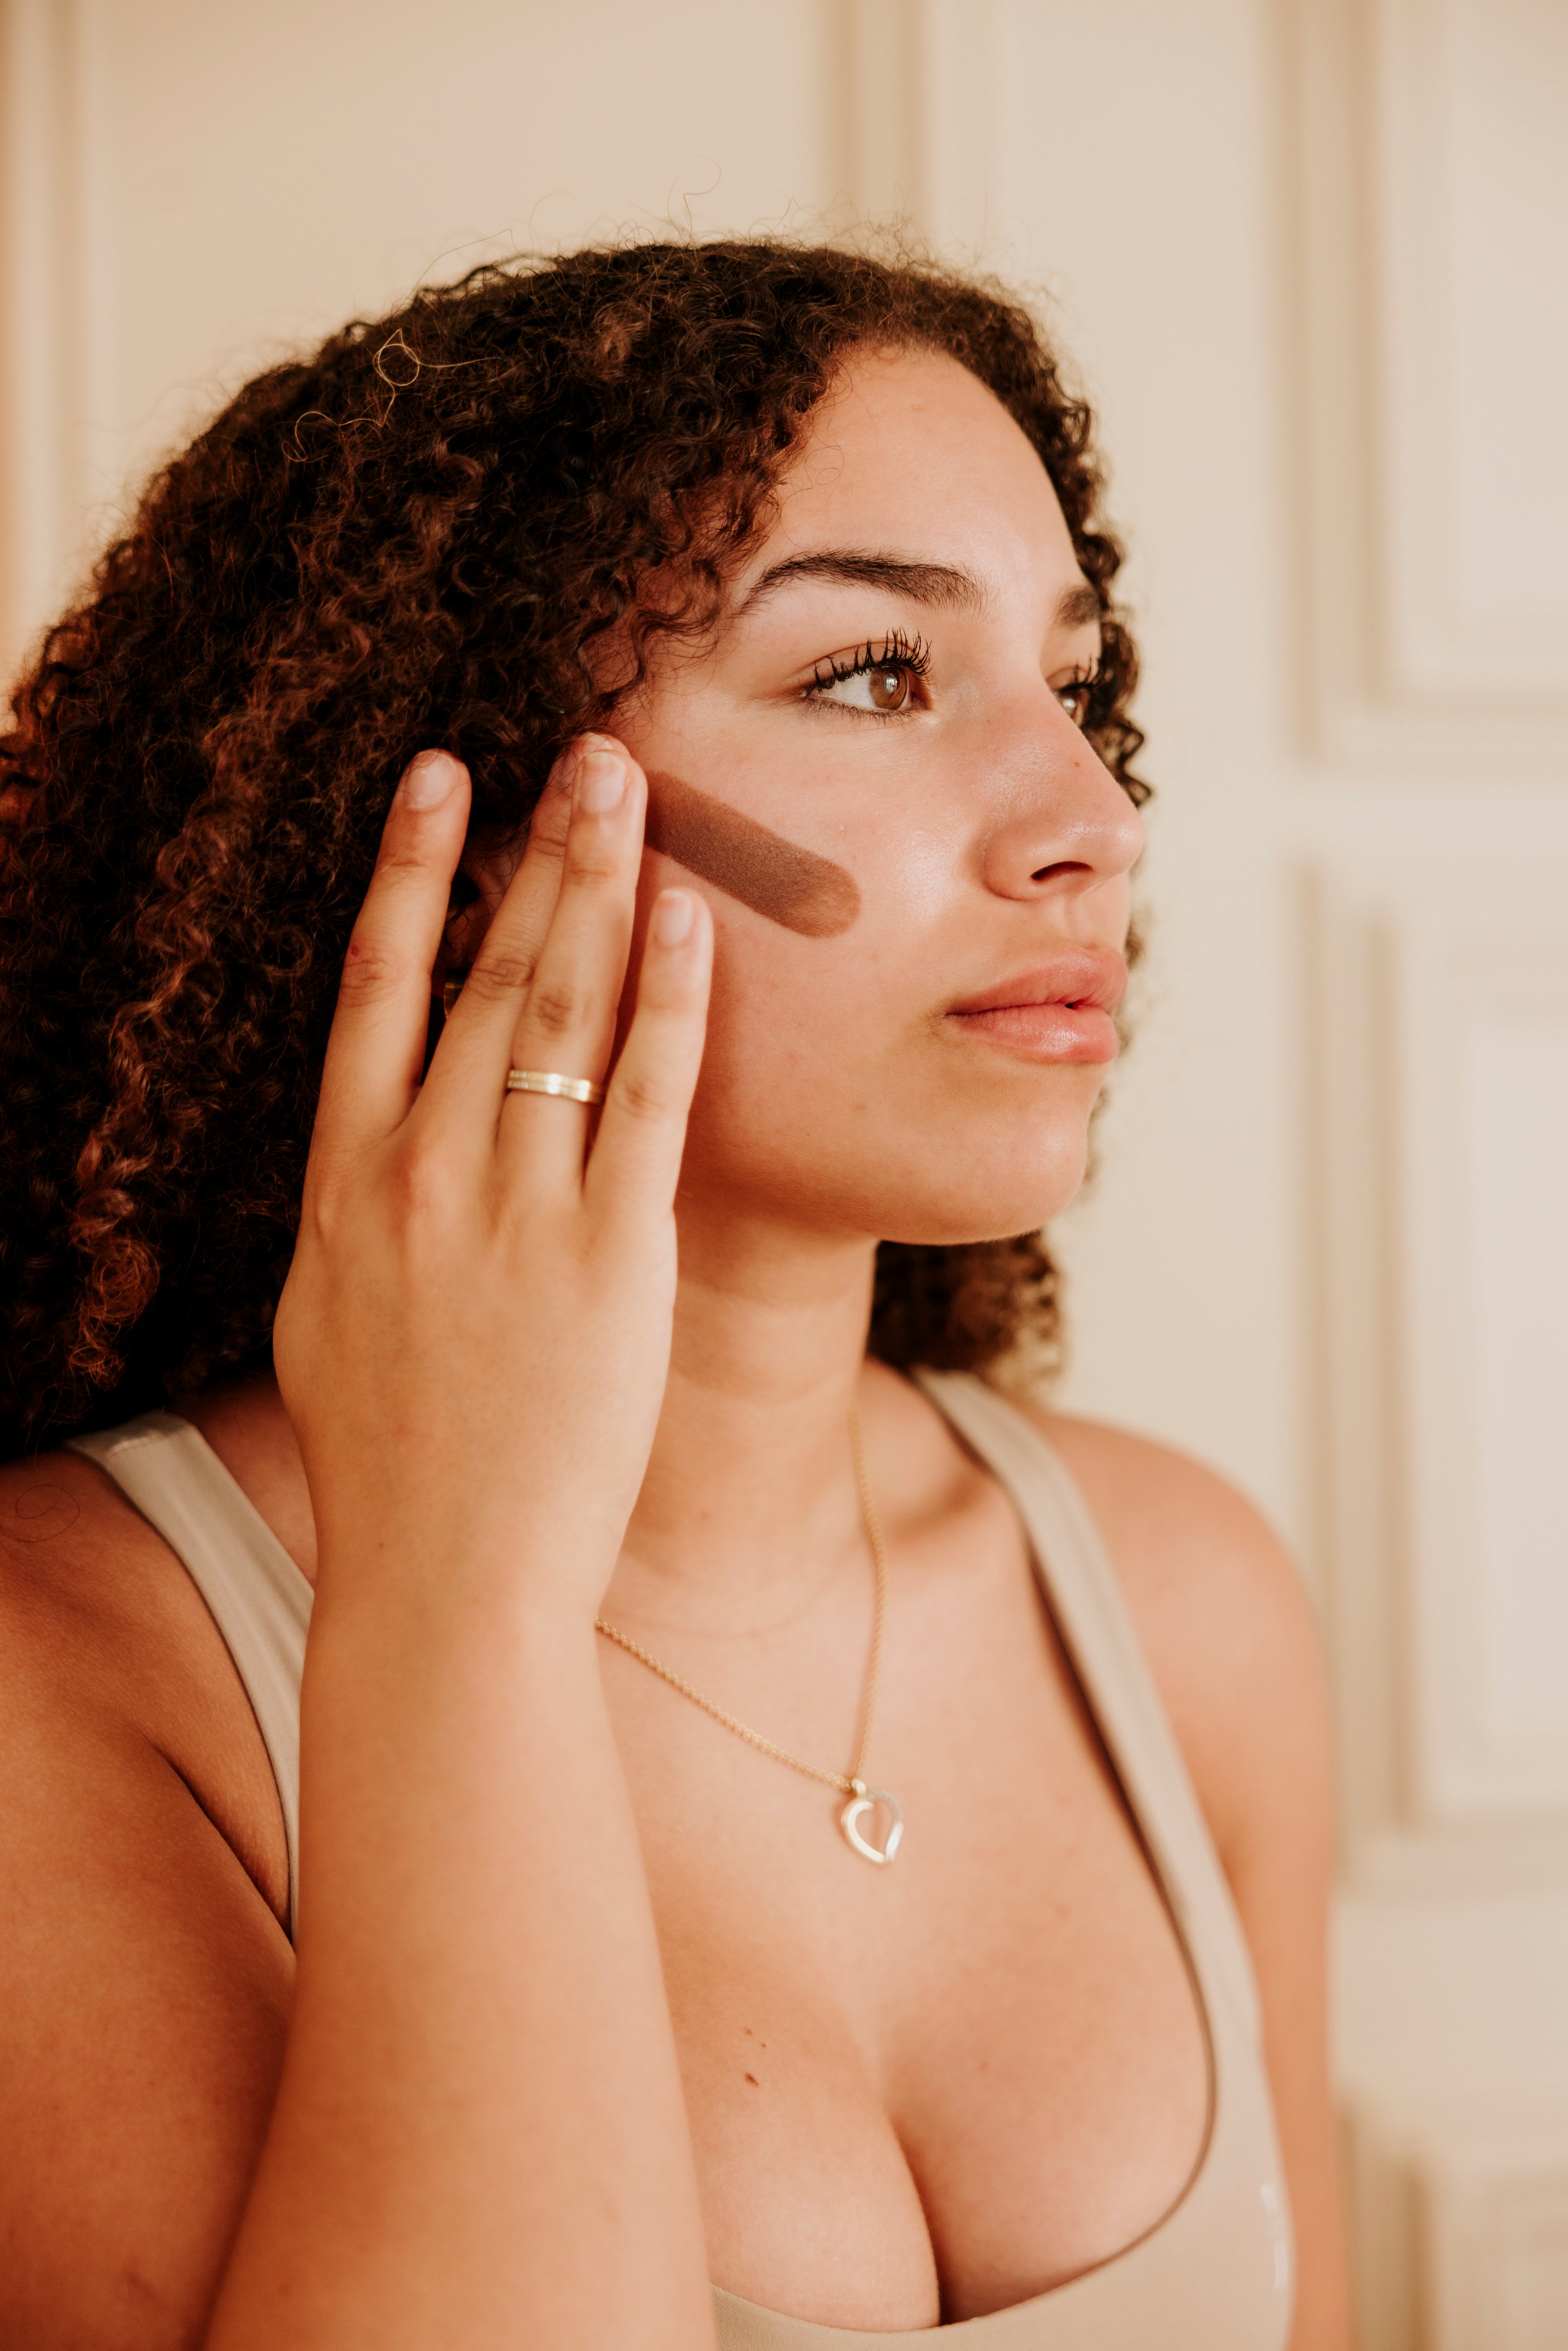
column 889, row 688
column 1075, row 698
column 879, row 680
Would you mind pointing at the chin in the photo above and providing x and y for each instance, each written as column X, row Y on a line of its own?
column 973, row 1201
column 913, row 1168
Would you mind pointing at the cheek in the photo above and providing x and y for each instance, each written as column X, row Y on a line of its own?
column 830, row 1087
column 831, row 1102
column 802, row 1034
column 783, row 1004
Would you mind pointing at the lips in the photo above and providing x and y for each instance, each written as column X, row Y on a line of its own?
column 1058, row 1010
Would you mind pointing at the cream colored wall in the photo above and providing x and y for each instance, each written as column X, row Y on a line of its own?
column 1308, row 257
column 218, row 182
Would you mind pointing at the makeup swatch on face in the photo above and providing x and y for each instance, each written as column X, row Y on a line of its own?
column 748, row 861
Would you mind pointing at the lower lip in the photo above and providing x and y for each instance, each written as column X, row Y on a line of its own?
column 1045, row 1032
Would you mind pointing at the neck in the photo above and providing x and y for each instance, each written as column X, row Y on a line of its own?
column 749, row 1497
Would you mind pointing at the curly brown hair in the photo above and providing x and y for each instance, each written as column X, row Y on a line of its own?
column 422, row 534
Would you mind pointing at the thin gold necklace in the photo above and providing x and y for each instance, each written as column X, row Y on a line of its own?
column 861, row 1798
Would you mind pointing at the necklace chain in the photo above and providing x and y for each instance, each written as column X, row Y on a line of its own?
column 849, row 1783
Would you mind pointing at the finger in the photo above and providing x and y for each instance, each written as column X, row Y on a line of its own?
column 567, row 1024
column 375, row 1052
column 635, row 1163
column 477, row 1033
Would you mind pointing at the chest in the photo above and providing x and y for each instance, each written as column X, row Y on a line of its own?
column 923, row 2092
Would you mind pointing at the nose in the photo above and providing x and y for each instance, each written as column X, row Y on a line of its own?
column 1063, row 825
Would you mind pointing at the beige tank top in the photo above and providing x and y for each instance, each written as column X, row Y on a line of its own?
column 1216, row 2274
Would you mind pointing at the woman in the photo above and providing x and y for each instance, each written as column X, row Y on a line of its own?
column 740, row 1830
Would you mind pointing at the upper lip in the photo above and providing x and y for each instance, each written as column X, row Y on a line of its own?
column 1093, row 977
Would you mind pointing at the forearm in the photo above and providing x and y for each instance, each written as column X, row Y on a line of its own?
column 480, row 2139
column 480, row 2135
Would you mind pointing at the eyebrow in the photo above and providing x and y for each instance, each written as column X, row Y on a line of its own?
column 1078, row 607
column 943, row 586
column 937, row 584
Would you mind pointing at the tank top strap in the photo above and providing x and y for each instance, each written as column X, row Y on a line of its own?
column 259, row 1598
column 1086, row 1603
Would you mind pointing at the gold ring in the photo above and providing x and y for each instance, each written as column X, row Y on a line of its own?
column 550, row 1082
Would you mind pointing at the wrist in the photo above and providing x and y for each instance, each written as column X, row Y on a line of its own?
column 522, row 1586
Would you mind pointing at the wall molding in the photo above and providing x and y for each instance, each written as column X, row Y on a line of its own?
column 1444, row 1782
column 1479, row 993
column 58, row 409
column 918, row 126
column 1396, row 674
column 1462, row 2231
column 34, row 460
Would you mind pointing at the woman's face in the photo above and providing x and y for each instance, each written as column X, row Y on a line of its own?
column 907, row 1047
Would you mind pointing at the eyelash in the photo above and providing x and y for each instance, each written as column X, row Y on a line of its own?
column 896, row 652
column 1088, row 678
column 912, row 654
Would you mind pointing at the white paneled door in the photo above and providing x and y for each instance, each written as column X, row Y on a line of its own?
column 1309, row 258
column 1429, row 293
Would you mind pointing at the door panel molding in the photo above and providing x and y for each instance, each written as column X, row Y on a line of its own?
column 1427, row 401
column 1462, row 2236
column 1440, row 1007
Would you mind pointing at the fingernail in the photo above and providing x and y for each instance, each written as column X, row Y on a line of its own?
column 673, row 917
column 601, row 780
column 429, row 779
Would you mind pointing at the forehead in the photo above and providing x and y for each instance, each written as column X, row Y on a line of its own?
column 910, row 450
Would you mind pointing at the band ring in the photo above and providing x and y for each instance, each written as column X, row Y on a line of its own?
column 550, row 1082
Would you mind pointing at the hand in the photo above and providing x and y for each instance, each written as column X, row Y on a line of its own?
column 474, row 1337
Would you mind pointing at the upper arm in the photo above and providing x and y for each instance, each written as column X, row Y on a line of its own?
column 143, row 2001
column 1226, row 1626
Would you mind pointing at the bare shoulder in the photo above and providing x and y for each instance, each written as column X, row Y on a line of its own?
column 107, row 1647
column 1223, row 1618
column 94, row 1607
column 144, row 1973
column 80, row 1572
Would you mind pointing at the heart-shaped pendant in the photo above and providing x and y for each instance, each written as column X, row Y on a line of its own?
column 866, row 1799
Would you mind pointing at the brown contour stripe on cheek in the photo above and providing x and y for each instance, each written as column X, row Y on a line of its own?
column 748, row 860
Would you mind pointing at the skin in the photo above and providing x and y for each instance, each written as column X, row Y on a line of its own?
column 591, row 2003
column 750, row 861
